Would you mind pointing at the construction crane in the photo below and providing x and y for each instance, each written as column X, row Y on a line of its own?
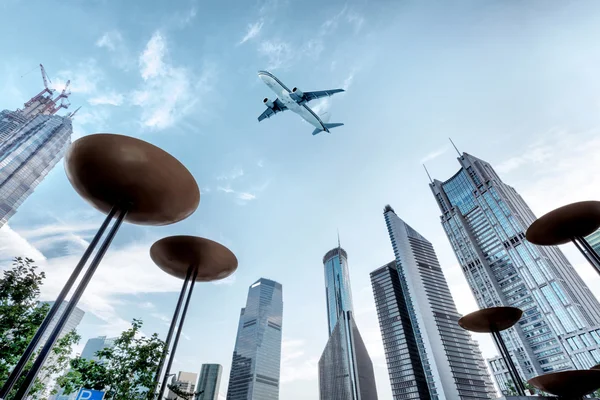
column 47, row 81
column 43, row 97
column 52, row 106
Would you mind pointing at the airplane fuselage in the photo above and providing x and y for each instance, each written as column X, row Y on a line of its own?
column 283, row 93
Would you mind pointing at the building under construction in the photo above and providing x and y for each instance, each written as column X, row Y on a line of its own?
column 32, row 141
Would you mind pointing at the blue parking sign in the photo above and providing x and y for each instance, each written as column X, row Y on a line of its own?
column 89, row 394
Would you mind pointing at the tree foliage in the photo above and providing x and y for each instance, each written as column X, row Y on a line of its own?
column 125, row 370
column 20, row 316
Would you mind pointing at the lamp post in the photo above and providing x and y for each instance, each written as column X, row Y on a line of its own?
column 572, row 384
column 193, row 259
column 130, row 180
column 494, row 320
column 570, row 223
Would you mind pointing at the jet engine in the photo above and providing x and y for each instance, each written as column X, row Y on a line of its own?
column 268, row 103
column 297, row 94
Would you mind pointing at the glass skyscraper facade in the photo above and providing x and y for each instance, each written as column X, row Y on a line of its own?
column 345, row 368
column 428, row 355
column 209, row 382
column 485, row 221
column 337, row 285
column 30, row 146
column 94, row 345
column 257, row 354
column 594, row 241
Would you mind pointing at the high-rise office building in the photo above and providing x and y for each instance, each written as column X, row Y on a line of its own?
column 257, row 354
column 209, row 382
column 485, row 220
column 594, row 241
column 32, row 141
column 185, row 383
column 72, row 323
column 429, row 355
column 345, row 368
column 337, row 285
column 93, row 346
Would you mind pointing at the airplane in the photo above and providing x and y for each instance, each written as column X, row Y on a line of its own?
column 295, row 100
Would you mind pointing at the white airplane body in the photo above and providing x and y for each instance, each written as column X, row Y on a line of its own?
column 296, row 101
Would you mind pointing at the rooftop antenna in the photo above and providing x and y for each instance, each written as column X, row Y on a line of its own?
column 427, row 172
column 455, row 147
column 339, row 243
column 72, row 115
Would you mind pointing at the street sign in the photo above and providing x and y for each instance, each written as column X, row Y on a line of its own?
column 89, row 394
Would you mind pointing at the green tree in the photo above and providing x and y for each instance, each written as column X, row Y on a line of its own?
column 125, row 370
column 20, row 316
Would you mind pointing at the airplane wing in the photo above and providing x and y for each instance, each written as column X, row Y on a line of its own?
column 321, row 93
column 278, row 106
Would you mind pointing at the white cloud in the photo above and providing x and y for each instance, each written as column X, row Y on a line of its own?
column 278, row 53
column 183, row 19
column 246, row 196
column 253, row 31
column 115, row 44
column 112, row 99
column 169, row 92
column 434, row 154
column 233, row 174
column 345, row 15
column 229, row 281
column 14, row 245
column 163, row 318
column 146, row 305
column 58, row 228
column 151, row 60
column 226, row 189
column 556, row 169
column 296, row 365
column 536, row 153
column 110, row 40
column 260, row 163
column 348, row 81
column 126, row 270
column 85, row 77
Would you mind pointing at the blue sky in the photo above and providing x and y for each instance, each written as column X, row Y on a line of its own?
column 514, row 83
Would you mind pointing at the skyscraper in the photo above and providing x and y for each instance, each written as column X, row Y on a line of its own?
column 337, row 285
column 594, row 241
column 32, row 141
column 485, row 221
column 93, row 346
column 257, row 354
column 72, row 323
column 345, row 368
column 428, row 355
column 209, row 382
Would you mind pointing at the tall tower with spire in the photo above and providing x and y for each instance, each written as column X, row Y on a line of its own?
column 32, row 141
column 345, row 368
column 485, row 221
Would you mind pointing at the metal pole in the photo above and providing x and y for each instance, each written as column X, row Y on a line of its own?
column 588, row 252
column 161, row 362
column 504, row 357
column 179, row 328
column 16, row 372
column 39, row 361
column 518, row 382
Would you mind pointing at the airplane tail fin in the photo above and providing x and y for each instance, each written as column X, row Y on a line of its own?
column 328, row 126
